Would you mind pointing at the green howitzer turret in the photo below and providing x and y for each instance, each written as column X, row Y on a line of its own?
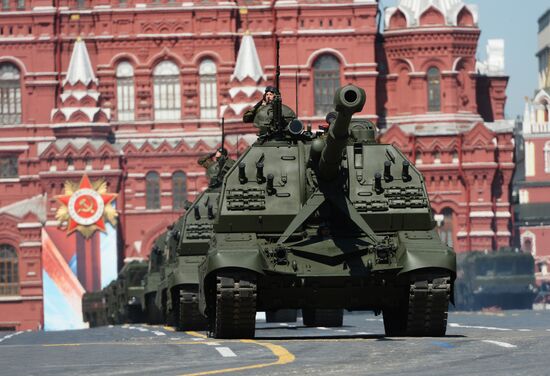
column 347, row 101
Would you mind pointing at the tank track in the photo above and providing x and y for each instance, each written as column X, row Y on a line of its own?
column 189, row 315
column 428, row 306
column 235, row 306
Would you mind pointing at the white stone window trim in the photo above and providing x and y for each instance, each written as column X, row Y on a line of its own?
column 532, row 236
column 547, row 157
column 208, row 89
column 125, row 92
column 167, row 91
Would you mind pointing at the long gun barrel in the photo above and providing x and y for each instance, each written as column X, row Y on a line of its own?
column 347, row 101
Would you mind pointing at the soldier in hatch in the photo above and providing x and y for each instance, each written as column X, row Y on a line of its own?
column 216, row 164
column 262, row 113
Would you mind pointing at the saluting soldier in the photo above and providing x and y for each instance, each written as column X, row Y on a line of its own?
column 268, row 97
column 216, row 164
column 262, row 113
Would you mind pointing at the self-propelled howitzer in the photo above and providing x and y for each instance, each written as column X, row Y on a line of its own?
column 323, row 222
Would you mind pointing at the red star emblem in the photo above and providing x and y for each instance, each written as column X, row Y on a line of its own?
column 86, row 206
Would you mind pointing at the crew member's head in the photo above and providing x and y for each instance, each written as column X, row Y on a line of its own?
column 221, row 152
column 270, row 93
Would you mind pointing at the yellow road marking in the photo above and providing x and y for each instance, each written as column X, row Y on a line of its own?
column 282, row 354
column 196, row 334
column 169, row 328
column 118, row 344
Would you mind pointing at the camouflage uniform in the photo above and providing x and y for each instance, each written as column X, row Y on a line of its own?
column 249, row 115
column 215, row 169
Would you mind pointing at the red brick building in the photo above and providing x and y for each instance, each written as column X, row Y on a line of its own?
column 532, row 181
column 446, row 111
column 133, row 92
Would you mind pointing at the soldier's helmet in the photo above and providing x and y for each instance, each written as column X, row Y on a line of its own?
column 272, row 89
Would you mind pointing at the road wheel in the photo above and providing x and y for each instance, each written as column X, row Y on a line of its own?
column 235, row 312
column 172, row 313
column 189, row 316
column 423, row 312
column 154, row 315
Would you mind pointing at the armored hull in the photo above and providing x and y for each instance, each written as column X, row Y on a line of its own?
column 186, row 246
column 325, row 222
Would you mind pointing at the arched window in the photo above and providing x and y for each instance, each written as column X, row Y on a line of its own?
column 166, row 81
column 8, row 167
column 418, row 157
column 152, row 190
column 527, row 245
column 445, row 228
column 434, row 90
column 10, row 94
column 437, row 156
column 547, row 157
column 125, row 91
column 326, row 73
column 179, row 190
column 208, row 89
column 455, row 156
column 9, row 270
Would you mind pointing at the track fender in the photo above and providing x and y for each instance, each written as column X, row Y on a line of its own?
column 228, row 251
column 424, row 250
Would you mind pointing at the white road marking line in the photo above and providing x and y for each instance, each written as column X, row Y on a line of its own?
column 501, row 344
column 524, row 330
column 548, row 330
column 212, row 343
column 455, row 325
column 157, row 333
column 283, row 324
column 226, row 352
column 10, row 336
column 363, row 333
column 342, row 330
column 374, row 320
column 322, row 328
column 110, row 326
column 197, row 339
column 143, row 329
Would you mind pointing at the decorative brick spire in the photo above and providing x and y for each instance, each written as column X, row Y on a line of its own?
column 79, row 113
column 248, row 77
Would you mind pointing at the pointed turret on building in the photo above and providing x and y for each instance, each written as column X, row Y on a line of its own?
column 79, row 113
column 248, row 79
